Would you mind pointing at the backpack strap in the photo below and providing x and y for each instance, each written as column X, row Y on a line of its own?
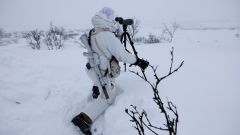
column 89, row 37
column 93, row 32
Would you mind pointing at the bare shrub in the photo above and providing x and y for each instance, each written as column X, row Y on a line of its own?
column 55, row 37
column 152, row 39
column 169, row 111
column 1, row 32
column 139, row 39
column 34, row 38
column 168, row 32
column 166, row 35
column 1, row 42
column 6, row 38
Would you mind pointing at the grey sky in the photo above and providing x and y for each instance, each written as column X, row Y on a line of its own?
column 30, row 14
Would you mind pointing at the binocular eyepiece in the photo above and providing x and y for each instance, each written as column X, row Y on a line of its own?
column 122, row 21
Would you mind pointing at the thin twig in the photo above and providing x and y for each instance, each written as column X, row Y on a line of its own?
column 142, row 121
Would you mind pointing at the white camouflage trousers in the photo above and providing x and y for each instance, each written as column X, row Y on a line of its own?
column 96, row 107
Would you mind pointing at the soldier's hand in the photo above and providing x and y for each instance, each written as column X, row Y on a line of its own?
column 143, row 64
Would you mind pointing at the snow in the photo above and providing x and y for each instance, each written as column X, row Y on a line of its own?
column 41, row 91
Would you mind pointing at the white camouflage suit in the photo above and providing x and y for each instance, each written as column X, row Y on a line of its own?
column 105, row 44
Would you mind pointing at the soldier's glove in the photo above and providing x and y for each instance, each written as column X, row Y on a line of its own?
column 143, row 64
column 95, row 92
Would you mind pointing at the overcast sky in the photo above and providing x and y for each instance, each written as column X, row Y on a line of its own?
column 31, row 14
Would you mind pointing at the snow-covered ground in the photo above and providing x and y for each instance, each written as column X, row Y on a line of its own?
column 40, row 91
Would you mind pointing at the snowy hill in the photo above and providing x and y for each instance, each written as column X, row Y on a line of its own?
column 40, row 91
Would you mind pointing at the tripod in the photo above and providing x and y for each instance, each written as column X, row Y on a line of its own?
column 123, row 39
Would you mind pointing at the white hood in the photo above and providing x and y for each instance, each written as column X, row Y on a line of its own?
column 100, row 20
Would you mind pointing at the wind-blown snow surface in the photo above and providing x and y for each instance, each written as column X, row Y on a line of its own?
column 40, row 91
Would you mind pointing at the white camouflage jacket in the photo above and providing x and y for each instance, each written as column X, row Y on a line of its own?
column 106, row 44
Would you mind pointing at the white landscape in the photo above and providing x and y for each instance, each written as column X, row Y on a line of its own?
column 42, row 90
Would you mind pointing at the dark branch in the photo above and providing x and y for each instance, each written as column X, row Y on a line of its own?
column 141, row 120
